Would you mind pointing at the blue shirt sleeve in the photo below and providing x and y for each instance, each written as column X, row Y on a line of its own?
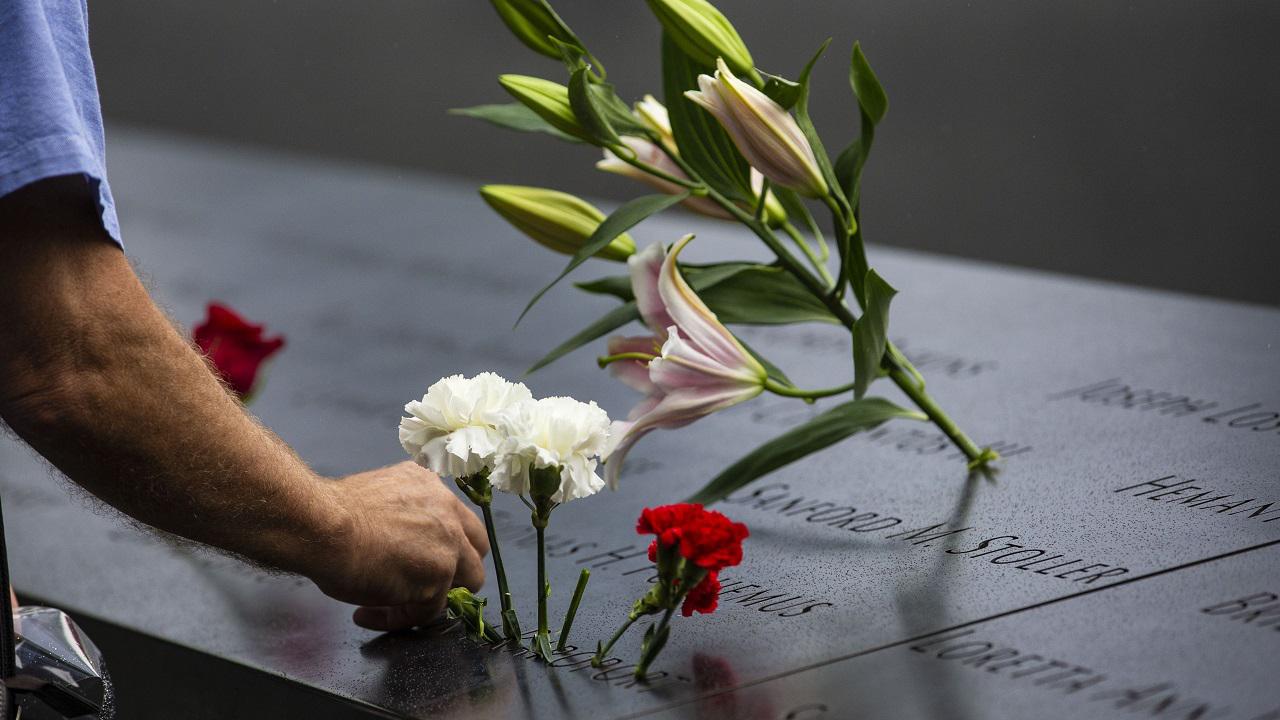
column 50, row 118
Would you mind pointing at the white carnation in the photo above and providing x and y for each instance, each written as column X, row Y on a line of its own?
column 552, row 432
column 453, row 430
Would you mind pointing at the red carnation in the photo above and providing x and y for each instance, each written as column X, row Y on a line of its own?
column 666, row 521
column 703, row 597
column 713, row 541
column 235, row 347
column 692, row 546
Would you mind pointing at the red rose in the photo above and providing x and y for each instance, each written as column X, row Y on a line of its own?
column 703, row 597
column 235, row 347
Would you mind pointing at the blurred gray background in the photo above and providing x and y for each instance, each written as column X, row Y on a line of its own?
column 1128, row 141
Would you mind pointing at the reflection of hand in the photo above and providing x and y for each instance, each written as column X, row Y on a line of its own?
column 405, row 541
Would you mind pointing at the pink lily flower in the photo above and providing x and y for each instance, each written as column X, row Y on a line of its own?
column 650, row 154
column 765, row 133
column 690, row 367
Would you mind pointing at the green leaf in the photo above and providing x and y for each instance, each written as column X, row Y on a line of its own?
column 510, row 622
column 618, row 286
column 652, row 644
column 543, row 646
column 849, row 170
column 866, row 87
column 782, row 91
column 513, row 116
column 872, row 105
column 611, row 320
column 870, row 332
column 764, row 295
column 703, row 144
column 599, row 109
column 618, row 222
column 774, row 371
column 823, row 431
column 589, row 110
column 806, row 123
column 701, row 277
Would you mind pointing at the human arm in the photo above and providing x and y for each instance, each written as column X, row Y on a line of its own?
column 96, row 379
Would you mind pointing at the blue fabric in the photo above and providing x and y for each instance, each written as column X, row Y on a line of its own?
column 50, row 120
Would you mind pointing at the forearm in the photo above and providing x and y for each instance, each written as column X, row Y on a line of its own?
column 96, row 379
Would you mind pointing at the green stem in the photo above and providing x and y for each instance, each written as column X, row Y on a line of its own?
column 925, row 402
column 642, row 668
column 583, row 577
column 603, row 650
column 901, row 376
column 778, row 388
column 814, row 259
column 606, row 360
column 626, row 155
column 511, row 631
column 544, row 633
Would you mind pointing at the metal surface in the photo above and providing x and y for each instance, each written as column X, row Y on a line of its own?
column 384, row 282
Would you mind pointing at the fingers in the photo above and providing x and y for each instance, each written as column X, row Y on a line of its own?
column 470, row 570
column 474, row 529
column 399, row 617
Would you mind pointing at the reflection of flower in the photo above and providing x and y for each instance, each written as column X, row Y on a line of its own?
column 699, row 369
column 766, row 135
column 556, row 433
column 236, row 347
column 452, row 430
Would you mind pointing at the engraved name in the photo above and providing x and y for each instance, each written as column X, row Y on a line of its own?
column 1002, row 550
column 1118, row 394
column 1195, row 494
column 1260, row 610
column 1063, row 677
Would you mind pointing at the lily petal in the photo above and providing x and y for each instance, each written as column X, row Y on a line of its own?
column 697, row 322
column 645, row 268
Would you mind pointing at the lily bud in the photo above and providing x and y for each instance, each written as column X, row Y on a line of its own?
column 534, row 23
column 651, row 154
column 653, row 114
column 555, row 220
column 765, row 133
column 703, row 33
column 548, row 99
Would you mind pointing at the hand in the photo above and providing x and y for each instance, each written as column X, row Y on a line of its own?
column 406, row 541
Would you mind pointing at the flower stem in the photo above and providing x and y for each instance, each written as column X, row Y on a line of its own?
column 542, row 641
column 814, row 259
column 977, row 457
column 626, row 155
column 778, row 388
column 510, row 626
column 642, row 667
column 603, row 650
column 583, row 577
column 607, row 360
column 899, row 372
